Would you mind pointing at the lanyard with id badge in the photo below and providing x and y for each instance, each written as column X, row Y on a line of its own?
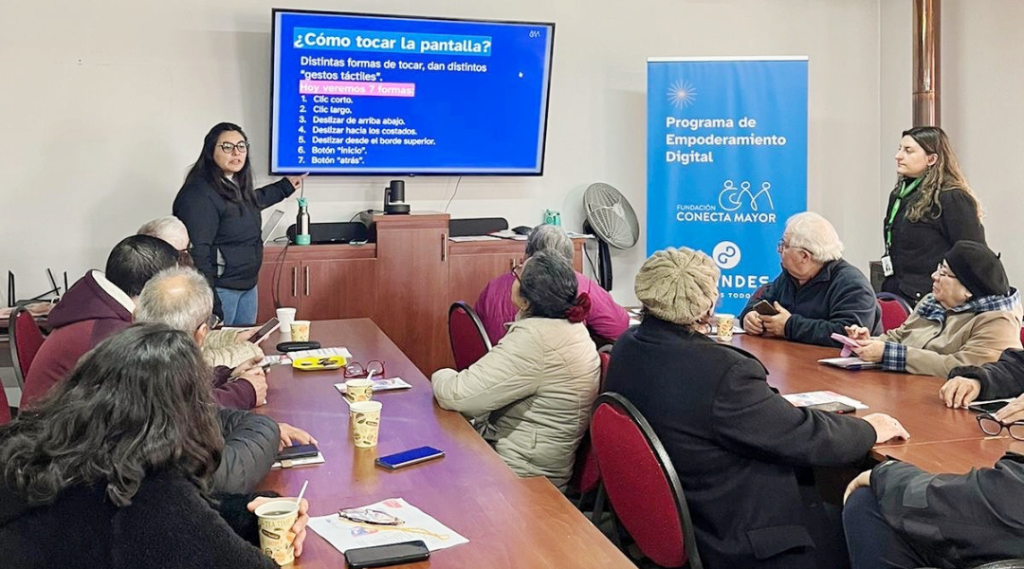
column 905, row 191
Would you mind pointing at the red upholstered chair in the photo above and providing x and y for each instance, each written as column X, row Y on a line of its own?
column 895, row 310
column 1022, row 336
column 585, row 475
column 5, row 408
column 467, row 334
column 641, row 484
column 26, row 339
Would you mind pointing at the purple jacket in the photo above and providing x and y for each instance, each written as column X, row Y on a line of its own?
column 494, row 307
column 233, row 394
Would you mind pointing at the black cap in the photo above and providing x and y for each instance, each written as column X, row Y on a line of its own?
column 978, row 268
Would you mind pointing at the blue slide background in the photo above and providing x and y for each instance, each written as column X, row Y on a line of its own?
column 490, row 122
column 687, row 204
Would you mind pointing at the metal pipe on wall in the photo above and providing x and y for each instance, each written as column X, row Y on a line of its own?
column 927, row 62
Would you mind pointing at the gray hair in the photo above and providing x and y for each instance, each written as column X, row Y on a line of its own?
column 549, row 284
column 549, row 238
column 180, row 298
column 814, row 234
column 168, row 228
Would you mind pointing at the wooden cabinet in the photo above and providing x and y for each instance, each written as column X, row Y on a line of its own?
column 412, row 268
column 405, row 282
column 322, row 282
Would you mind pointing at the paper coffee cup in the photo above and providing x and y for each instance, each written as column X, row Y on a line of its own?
column 300, row 331
column 276, row 519
column 365, row 423
column 286, row 316
column 359, row 389
column 725, row 324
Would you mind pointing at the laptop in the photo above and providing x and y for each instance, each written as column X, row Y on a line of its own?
column 271, row 225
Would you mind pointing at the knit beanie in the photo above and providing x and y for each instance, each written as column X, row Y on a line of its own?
column 678, row 285
column 978, row 268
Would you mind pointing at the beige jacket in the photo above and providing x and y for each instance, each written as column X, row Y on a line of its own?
column 531, row 395
column 221, row 349
column 966, row 338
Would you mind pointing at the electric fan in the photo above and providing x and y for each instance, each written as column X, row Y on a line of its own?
column 613, row 221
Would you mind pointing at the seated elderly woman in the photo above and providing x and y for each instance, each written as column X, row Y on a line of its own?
column 114, row 467
column 969, row 318
column 731, row 437
column 530, row 396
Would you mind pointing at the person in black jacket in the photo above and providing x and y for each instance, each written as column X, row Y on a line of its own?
column 113, row 468
column 818, row 293
column 899, row 517
column 736, row 444
column 930, row 208
column 221, row 210
column 996, row 380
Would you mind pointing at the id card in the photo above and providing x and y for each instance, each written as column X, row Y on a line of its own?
column 887, row 266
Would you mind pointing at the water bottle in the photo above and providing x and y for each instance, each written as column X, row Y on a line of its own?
column 302, row 224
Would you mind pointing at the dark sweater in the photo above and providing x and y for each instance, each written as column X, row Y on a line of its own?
column 838, row 296
column 168, row 524
column 999, row 380
column 734, row 441
column 917, row 248
column 230, row 230
column 86, row 316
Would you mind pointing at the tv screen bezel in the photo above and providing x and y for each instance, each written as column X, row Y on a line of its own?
column 453, row 172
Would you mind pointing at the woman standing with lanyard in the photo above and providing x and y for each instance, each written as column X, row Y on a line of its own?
column 221, row 210
column 930, row 209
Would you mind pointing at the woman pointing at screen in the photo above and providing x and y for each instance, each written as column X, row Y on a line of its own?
column 221, row 209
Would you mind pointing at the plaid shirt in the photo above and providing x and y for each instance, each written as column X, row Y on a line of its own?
column 894, row 358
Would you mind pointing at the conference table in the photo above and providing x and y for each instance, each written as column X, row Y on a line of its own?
column 941, row 439
column 509, row 521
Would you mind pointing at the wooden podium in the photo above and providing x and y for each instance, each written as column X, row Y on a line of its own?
column 405, row 281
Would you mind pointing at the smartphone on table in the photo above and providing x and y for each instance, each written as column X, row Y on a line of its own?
column 297, row 451
column 833, row 407
column 384, row 555
column 265, row 330
column 987, row 406
column 409, row 457
column 765, row 308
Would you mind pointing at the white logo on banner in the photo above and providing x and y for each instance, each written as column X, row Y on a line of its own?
column 726, row 255
column 731, row 199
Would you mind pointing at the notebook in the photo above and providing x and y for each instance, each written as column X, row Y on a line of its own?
column 852, row 363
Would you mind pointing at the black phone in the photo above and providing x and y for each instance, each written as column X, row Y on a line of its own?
column 384, row 555
column 284, row 347
column 265, row 330
column 833, row 407
column 764, row 308
column 409, row 457
column 987, row 406
column 297, row 451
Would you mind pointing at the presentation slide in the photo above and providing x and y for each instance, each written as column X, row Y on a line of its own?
column 358, row 94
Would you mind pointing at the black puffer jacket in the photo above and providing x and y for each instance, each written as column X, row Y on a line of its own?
column 250, row 445
column 226, row 236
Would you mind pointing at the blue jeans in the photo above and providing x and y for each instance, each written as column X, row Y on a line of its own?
column 239, row 306
column 873, row 544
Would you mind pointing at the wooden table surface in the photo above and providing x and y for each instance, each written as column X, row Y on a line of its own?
column 913, row 399
column 509, row 521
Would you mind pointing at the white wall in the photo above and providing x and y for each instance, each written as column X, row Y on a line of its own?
column 982, row 78
column 107, row 102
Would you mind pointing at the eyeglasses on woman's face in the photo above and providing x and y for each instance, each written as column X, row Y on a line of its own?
column 228, row 148
column 942, row 271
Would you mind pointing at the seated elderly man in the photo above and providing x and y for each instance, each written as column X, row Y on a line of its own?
column 968, row 319
column 495, row 309
column 182, row 299
column 731, row 437
column 222, row 347
column 97, row 306
column 818, row 293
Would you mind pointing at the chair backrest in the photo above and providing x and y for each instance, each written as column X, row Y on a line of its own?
column 5, row 408
column 468, row 337
column 1022, row 336
column 641, row 483
column 895, row 310
column 585, row 474
column 26, row 339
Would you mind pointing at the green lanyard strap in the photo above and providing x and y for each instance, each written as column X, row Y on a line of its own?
column 905, row 191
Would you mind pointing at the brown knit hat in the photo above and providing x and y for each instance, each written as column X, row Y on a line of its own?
column 678, row 285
